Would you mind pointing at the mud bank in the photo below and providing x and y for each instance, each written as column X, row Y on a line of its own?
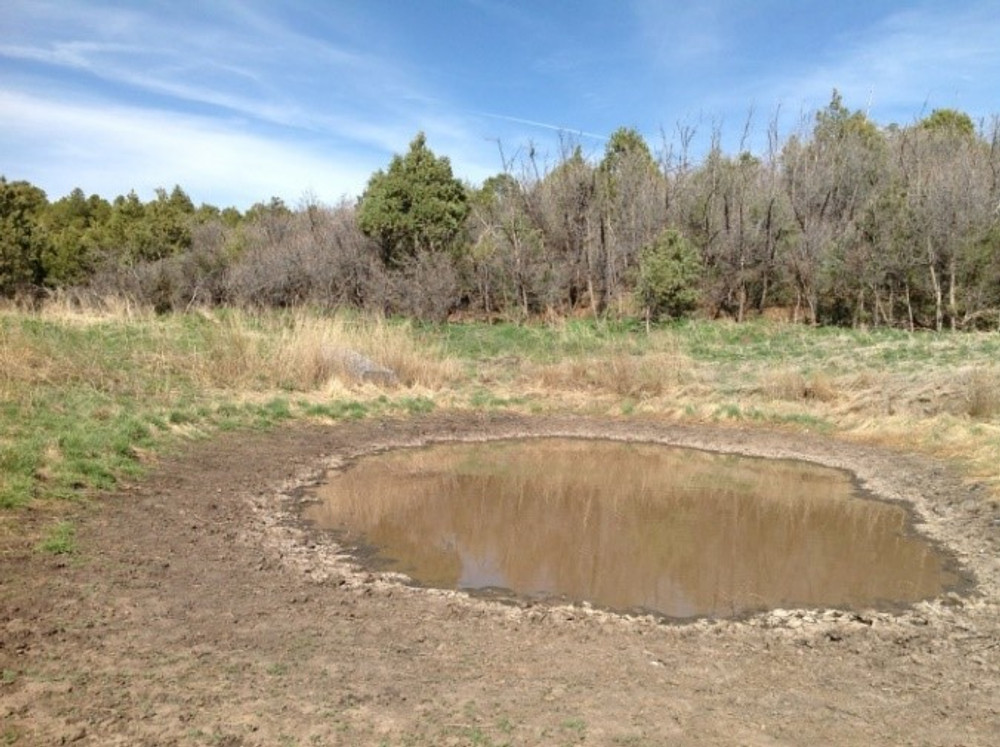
column 201, row 609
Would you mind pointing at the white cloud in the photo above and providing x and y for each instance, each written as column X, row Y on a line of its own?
column 232, row 105
column 913, row 59
column 112, row 149
column 223, row 76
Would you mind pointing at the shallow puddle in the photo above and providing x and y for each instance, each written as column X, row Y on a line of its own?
column 629, row 526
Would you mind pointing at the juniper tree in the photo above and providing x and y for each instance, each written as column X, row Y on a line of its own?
column 415, row 206
column 670, row 269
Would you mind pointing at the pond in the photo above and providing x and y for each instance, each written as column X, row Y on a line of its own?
column 629, row 527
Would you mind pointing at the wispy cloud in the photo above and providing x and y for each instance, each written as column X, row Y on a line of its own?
column 246, row 99
column 914, row 59
column 242, row 99
column 896, row 63
column 222, row 66
column 144, row 149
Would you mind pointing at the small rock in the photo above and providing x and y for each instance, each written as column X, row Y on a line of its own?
column 358, row 366
column 74, row 736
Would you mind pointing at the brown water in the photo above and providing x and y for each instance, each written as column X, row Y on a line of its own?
column 630, row 526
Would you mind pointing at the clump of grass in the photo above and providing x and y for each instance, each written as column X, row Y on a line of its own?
column 60, row 540
column 302, row 351
column 416, row 405
column 615, row 372
column 793, row 386
column 81, row 307
column 785, row 385
column 982, row 393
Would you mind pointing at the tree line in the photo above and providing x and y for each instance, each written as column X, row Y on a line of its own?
column 843, row 223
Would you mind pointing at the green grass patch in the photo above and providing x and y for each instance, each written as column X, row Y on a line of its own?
column 805, row 420
column 59, row 540
column 541, row 343
column 831, row 349
column 338, row 410
column 415, row 405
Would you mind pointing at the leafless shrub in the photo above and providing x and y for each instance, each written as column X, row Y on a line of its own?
column 426, row 287
column 318, row 257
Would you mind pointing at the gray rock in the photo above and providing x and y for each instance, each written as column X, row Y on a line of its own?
column 359, row 366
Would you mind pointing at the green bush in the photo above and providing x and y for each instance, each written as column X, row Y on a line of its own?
column 669, row 271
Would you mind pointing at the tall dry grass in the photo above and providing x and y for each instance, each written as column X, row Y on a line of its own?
column 304, row 351
column 793, row 385
column 80, row 307
column 982, row 392
column 616, row 372
column 125, row 349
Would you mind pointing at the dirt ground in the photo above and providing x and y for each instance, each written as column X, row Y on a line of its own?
column 200, row 610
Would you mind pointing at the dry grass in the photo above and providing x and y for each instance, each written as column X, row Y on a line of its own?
column 228, row 350
column 82, row 308
column 620, row 373
column 87, row 395
column 299, row 352
column 982, row 392
column 792, row 385
column 939, row 394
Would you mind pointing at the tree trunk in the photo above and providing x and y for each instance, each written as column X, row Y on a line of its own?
column 952, row 304
column 938, row 301
column 909, row 306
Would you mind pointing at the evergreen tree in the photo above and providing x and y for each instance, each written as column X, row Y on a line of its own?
column 415, row 206
column 75, row 224
column 950, row 121
column 669, row 272
column 23, row 238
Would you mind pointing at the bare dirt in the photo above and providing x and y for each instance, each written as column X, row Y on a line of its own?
column 200, row 609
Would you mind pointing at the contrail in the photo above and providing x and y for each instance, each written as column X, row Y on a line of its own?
column 543, row 125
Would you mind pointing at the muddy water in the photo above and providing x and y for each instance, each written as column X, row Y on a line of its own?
column 630, row 526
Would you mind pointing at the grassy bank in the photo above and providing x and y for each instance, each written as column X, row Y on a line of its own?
column 87, row 399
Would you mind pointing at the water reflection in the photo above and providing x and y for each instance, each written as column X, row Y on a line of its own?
column 624, row 526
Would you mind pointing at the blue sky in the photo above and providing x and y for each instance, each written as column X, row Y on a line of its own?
column 240, row 101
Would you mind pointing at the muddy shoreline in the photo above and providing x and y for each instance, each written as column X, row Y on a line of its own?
column 358, row 558
column 941, row 507
column 202, row 610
